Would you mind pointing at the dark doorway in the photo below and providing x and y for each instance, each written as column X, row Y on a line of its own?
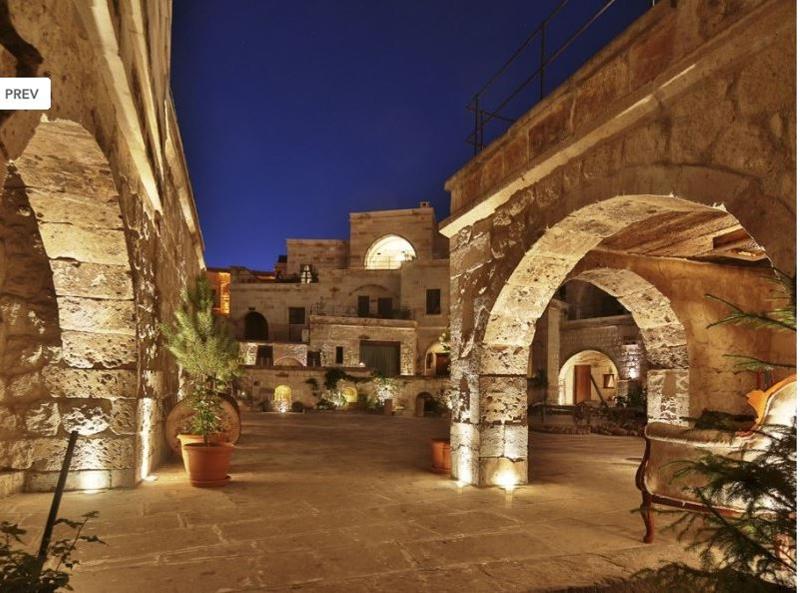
column 255, row 327
column 383, row 357
column 264, row 356
column 385, row 307
column 363, row 306
column 442, row 364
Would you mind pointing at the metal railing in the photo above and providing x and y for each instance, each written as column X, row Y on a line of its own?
column 539, row 39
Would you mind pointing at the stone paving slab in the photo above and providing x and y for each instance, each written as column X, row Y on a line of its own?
column 345, row 503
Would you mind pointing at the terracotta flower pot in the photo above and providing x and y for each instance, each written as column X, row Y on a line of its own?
column 440, row 450
column 218, row 437
column 208, row 465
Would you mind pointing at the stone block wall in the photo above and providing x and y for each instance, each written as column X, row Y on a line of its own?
column 111, row 241
column 416, row 225
column 348, row 332
column 321, row 254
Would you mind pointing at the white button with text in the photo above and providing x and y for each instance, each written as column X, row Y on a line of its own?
column 25, row 93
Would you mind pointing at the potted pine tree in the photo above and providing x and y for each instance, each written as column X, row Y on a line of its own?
column 209, row 360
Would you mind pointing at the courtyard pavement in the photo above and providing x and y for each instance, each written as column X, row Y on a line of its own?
column 323, row 503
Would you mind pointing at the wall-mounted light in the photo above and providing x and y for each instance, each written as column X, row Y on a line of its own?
column 609, row 380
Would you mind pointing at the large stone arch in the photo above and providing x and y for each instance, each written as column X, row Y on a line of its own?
column 671, row 122
column 663, row 334
column 490, row 427
column 89, row 381
column 109, row 66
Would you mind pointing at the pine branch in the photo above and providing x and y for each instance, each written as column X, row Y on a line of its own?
column 781, row 320
column 749, row 363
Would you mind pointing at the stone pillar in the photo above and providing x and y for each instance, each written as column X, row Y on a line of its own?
column 503, row 430
column 489, row 430
column 553, row 314
column 668, row 396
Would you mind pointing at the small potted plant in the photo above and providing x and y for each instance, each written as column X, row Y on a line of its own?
column 209, row 359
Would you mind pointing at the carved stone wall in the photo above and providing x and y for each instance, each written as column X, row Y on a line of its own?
column 100, row 238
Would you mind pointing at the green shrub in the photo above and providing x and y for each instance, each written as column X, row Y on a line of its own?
column 21, row 572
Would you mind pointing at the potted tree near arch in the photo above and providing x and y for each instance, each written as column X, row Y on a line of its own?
column 209, row 360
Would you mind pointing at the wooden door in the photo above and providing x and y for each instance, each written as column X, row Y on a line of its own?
column 582, row 383
column 442, row 364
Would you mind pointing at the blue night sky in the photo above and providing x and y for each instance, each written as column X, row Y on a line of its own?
column 295, row 113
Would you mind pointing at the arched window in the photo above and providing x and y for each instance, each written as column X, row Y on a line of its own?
column 389, row 253
column 255, row 326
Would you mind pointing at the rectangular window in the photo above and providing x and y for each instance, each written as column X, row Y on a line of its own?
column 297, row 315
column 313, row 359
column 433, row 301
column 339, row 354
column 383, row 357
column 363, row 306
column 264, row 356
column 385, row 307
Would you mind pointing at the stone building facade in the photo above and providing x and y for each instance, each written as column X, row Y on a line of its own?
column 378, row 300
column 98, row 237
column 661, row 171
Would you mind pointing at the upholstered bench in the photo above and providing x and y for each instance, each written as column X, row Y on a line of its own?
column 669, row 446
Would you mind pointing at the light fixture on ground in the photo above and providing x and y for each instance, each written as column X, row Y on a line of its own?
column 507, row 481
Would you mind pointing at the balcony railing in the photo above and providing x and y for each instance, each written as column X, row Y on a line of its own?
column 514, row 89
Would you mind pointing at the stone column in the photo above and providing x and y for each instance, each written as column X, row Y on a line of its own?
column 503, row 417
column 553, row 315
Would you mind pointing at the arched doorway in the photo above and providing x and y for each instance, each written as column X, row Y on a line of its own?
column 256, row 327
column 282, row 398
column 588, row 375
column 437, row 360
column 389, row 253
column 350, row 394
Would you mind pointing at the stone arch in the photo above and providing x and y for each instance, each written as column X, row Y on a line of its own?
column 90, row 385
column 663, row 333
column 256, row 327
column 493, row 399
column 567, row 396
column 535, row 275
column 389, row 252
column 288, row 361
